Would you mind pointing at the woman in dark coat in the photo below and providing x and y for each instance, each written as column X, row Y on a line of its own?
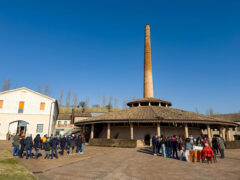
column 37, row 145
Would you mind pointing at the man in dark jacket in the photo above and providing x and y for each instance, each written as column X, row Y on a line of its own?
column 54, row 143
column 37, row 145
column 22, row 142
column 62, row 144
column 47, row 148
column 174, row 147
column 215, row 145
column 71, row 144
column 78, row 144
column 154, row 144
column 29, row 145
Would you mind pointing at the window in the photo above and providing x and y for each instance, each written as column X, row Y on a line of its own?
column 65, row 122
column 42, row 106
column 21, row 107
column 1, row 104
column 59, row 122
column 39, row 128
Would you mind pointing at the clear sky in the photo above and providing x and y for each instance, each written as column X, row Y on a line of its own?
column 96, row 48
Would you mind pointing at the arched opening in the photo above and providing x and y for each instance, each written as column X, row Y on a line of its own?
column 147, row 140
column 18, row 127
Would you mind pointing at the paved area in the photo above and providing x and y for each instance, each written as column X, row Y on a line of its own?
column 120, row 163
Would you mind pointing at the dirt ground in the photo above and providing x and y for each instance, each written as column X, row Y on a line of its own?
column 124, row 163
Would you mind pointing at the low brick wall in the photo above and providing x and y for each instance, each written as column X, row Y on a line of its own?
column 127, row 143
column 233, row 145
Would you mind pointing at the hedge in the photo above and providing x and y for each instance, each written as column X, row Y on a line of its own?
column 233, row 145
column 126, row 143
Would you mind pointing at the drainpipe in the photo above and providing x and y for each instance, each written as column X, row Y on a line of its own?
column 50, row 119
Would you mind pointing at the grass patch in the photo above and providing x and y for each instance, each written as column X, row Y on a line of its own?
column 9, row 161
column 10, row 169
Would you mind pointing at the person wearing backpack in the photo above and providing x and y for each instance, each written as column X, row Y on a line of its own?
column 37, row 145
column 29, row 146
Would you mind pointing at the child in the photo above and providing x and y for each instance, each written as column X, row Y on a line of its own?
column 47, row 148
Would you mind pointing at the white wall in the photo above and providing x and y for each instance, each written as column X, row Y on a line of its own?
column 31, row 102
column 31, row 114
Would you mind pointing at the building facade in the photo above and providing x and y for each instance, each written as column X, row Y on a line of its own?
column 149, row 116
column 25, row 111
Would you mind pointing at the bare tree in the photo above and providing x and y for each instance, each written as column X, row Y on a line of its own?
column 87, row 102
column 124, row 104
column 98, row 101
column 211, row 111
column 6, row 84
column 75, row 100
column 110, row 101
column 68, row 98
column 46, row 90
column 116, row 102
column 103, row 101
column 197, row 110
column 39, row 88
column 15, row 86
column 61, row 98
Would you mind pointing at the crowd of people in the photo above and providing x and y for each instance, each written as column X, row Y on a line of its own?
column 174, row 146
column 52, row 146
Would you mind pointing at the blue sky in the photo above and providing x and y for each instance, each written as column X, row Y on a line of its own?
column 96, row 48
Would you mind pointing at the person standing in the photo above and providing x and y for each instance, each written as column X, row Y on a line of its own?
column 16, row 143
column 37, row 145
column 169, row 148
column 180, row 145
column 44, row 139
column 188, row 148
column 78, row 144
column 175, row 147
column 47, row 148
column 29, row 146
column 54, row 143
column 62, row 144
column 221, row 145
column 71, row 144
column 83, row 143
column 22, row 142
column 163, row 146
column 215, row 145
column 154, row 144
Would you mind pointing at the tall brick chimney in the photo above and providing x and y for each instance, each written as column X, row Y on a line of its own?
column 148, row 80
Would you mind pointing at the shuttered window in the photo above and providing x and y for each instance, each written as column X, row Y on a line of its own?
column 1, row 104
column 39, row 128
column 21, row 107
column 42, row 106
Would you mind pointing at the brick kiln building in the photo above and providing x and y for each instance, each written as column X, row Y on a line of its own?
column 150, row 116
